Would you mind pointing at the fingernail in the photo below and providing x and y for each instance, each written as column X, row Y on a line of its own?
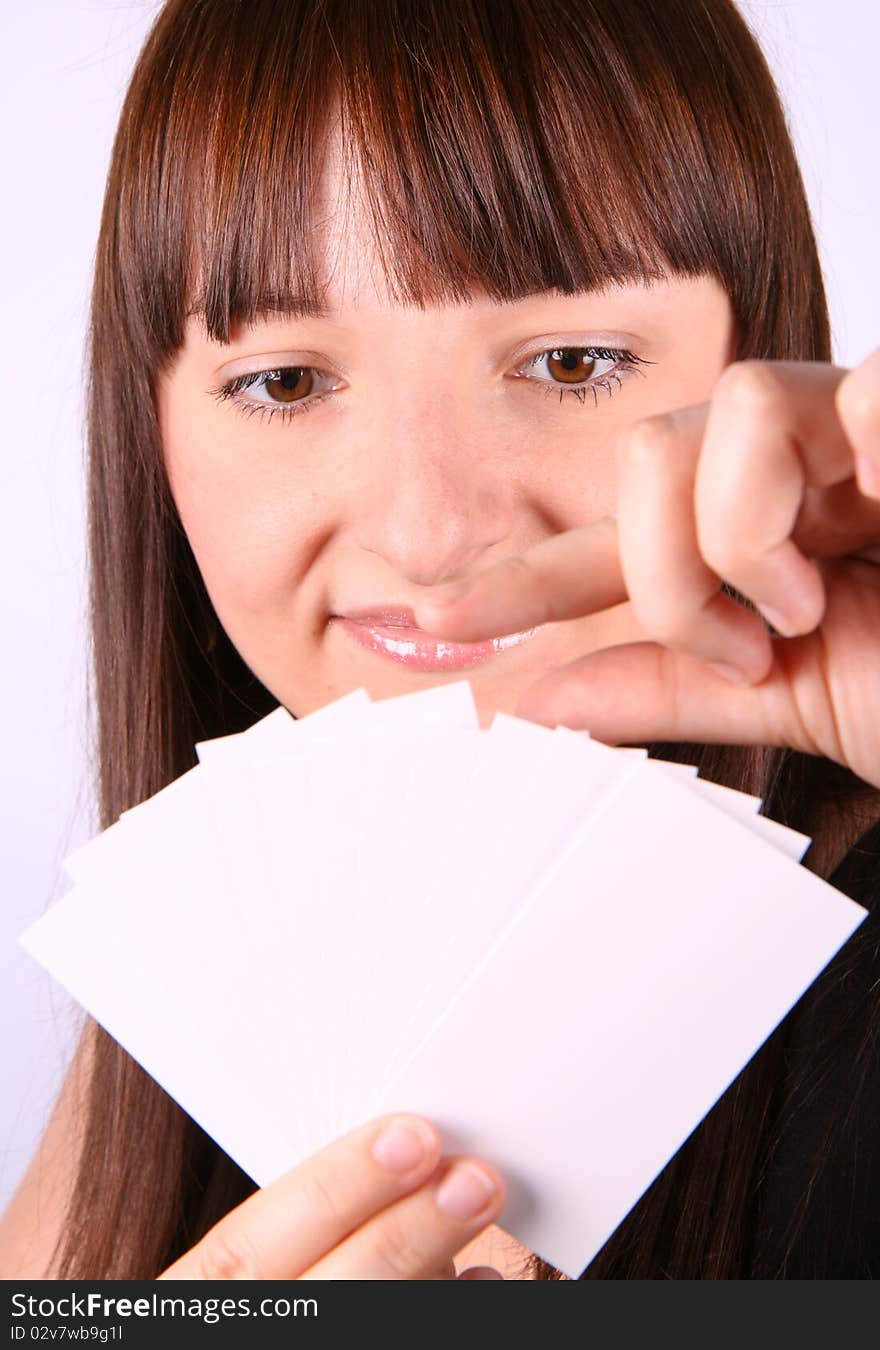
column 781, row 622
column 481, row 1273
column 868, row 475
column 400, row 1146
column 465, row 1191
column 730, row 673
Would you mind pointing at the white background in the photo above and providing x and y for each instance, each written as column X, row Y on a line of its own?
column 65, row 65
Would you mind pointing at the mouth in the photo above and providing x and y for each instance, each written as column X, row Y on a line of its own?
column 392, row 634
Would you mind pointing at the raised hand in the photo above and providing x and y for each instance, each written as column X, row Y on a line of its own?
column 773, row 487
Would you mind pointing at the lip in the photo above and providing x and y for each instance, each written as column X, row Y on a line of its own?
column 391, row 616
column 391, row 633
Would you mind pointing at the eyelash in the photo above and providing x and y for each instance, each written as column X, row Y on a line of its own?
column 627, row 365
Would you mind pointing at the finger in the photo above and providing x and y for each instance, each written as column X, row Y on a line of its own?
column 837, row 522
column 414, row 1237
column 772, row 431
column 669, row 696
column 285, row 1227
column 858, row 406
column 568, row 575
column 675, row 594
column 481, row 1273
column 446, row 1272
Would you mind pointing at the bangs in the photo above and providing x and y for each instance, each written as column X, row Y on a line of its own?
column 512, row 148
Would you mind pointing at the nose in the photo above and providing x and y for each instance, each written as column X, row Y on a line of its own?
column 440, row 495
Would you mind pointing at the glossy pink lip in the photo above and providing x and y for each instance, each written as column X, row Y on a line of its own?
column 390, row 616
column 391, row 632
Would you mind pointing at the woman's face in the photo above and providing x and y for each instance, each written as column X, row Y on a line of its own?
column 442, row 449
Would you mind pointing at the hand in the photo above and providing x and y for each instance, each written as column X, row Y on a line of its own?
column 773, row 487
column 349, row 1213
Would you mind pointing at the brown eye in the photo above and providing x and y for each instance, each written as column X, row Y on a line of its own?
column 581, row 367
column 290, row 384
column 567, row 365
column 285, row 391
column 578, row 371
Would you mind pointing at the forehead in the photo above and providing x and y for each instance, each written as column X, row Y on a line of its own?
column 654, row 320
column 348, row 237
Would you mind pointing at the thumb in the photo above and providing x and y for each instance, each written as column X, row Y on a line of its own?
column 643, row 691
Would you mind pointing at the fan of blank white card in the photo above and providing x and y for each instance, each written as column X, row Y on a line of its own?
column 560, row 952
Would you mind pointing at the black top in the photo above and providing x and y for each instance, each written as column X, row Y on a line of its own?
column 832, row 1073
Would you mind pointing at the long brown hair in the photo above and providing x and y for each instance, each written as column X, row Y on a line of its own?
column 519, row 146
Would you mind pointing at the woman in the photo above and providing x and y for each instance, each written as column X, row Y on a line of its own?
column 415, row 221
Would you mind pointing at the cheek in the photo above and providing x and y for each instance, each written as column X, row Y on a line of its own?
column 247, row 536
